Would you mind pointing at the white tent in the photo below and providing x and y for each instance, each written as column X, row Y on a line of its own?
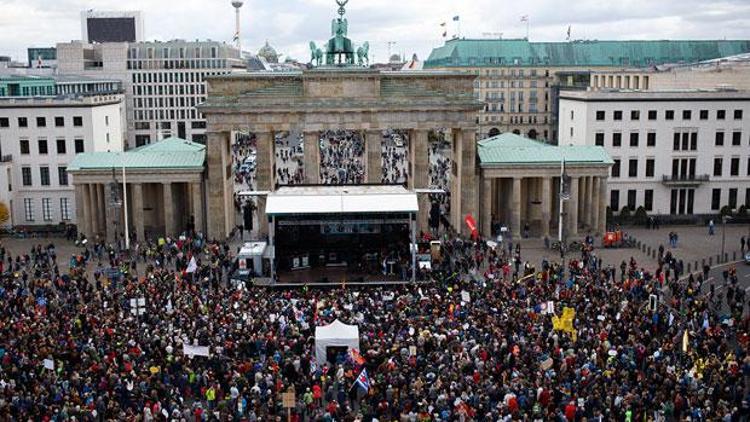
column 336, row 334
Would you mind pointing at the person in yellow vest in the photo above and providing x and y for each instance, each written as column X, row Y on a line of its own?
column 211, row 397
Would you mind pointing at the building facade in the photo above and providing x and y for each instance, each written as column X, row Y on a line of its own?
column 517, row 79
column 39, row 137
column 102, row 26
column 674, row 152
column 163, row 81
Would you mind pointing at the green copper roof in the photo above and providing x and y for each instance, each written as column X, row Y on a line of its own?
column 494, row 52
column 511, row 149
column 170, row 153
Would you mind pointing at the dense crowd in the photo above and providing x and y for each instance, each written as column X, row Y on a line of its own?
column 395, row 160
column 341, row 158
column 477, row 343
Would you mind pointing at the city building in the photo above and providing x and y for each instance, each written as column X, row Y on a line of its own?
column 677, row 152
column 518, row 80
column 165, row 190
column 724, row 73
column 163, row 81
column 42, row 57
column 101, row 26
column 41, row 133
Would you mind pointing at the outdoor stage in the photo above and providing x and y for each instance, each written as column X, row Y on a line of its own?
column 334, row 234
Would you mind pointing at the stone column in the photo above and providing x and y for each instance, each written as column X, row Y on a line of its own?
column 170, row 226
column 456, row 216
column 197, row 195
column 595, row 204
column 82, row 213
column 264, row 176
column 103, row 206
column 486, row 211
column 136, row 193
column 515, row 211
column 572, row 228
column 93, row 209
column 419, row 174
column 110, row 225
column 583, row 198
column 469, row 185
column 546, row 205
column 591, row 205
column 220, row 185
column 602, row 223
column 312, row 158
column 373, row 156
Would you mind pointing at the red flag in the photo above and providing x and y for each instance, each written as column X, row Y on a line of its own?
column 472, row 225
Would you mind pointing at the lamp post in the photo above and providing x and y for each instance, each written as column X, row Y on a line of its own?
column 724, row 219
column 125, row 202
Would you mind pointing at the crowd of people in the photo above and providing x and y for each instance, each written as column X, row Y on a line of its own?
column 341, row 158
column 105, row 339
column 395, row 159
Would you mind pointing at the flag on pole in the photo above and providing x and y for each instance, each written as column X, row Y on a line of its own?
column 445, row 34
column 192, row 266
column 568, row 33
column 456, row 18
column 236, row 37
column 357, row 357
column 525, row 18
column 443, row 24
column 363, row 380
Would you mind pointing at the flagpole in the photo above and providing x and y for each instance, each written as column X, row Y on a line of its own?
column 562, row 184
column 125, row 203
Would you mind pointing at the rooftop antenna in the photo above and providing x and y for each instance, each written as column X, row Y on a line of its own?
column 237, row 4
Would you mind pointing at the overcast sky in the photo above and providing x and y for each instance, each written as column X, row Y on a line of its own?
column 414, row 25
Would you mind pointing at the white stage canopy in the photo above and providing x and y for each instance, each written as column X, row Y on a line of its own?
column 341, row 200
column 336, row 334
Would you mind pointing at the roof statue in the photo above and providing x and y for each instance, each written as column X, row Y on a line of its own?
column 339, row 50
column 268, row 53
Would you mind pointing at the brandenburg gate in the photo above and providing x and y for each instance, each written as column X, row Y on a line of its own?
column 331, row 98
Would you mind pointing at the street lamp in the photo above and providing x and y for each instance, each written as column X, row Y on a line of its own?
column 116, row 202
column 724, row 219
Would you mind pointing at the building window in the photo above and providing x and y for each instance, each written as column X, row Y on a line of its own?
column 59, row 121
column 77, row 121
column 648, row 199
column 28, row 209
column 65, row 209
column 721, row 114
column 41, row 122
column 734, row 166
column 614, row 200
column 44, row 175
column 687, row 114
column 26, row 176
column 633, row 167
column 616, row 168
column 652, row 114
column 635, row 115
column 572, row 113
column 715, row 199
column 62, row 175
column 631, row 199
column 42, row 143
column 78, row 145
column 669, row 114
column 738, row 115
column 599, row 139
column 23, row 122
column 736, row 138
column 25, row 146
column 693, row 141
column 600, row 115
column 616, row 139
column 732, row 198
column 719, row 139
column 633, row 139
column 617, row 115
column 718, row 161
column 4, row 122
column 61, row 146
column 649, row 167
column 46, row 209
column 651, row 139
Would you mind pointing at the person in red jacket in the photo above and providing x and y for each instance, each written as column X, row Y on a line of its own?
column 570, row 411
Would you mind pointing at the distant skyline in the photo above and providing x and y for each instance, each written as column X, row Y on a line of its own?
column 414, row 25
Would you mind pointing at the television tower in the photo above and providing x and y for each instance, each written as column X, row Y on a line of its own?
column 237, row 4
